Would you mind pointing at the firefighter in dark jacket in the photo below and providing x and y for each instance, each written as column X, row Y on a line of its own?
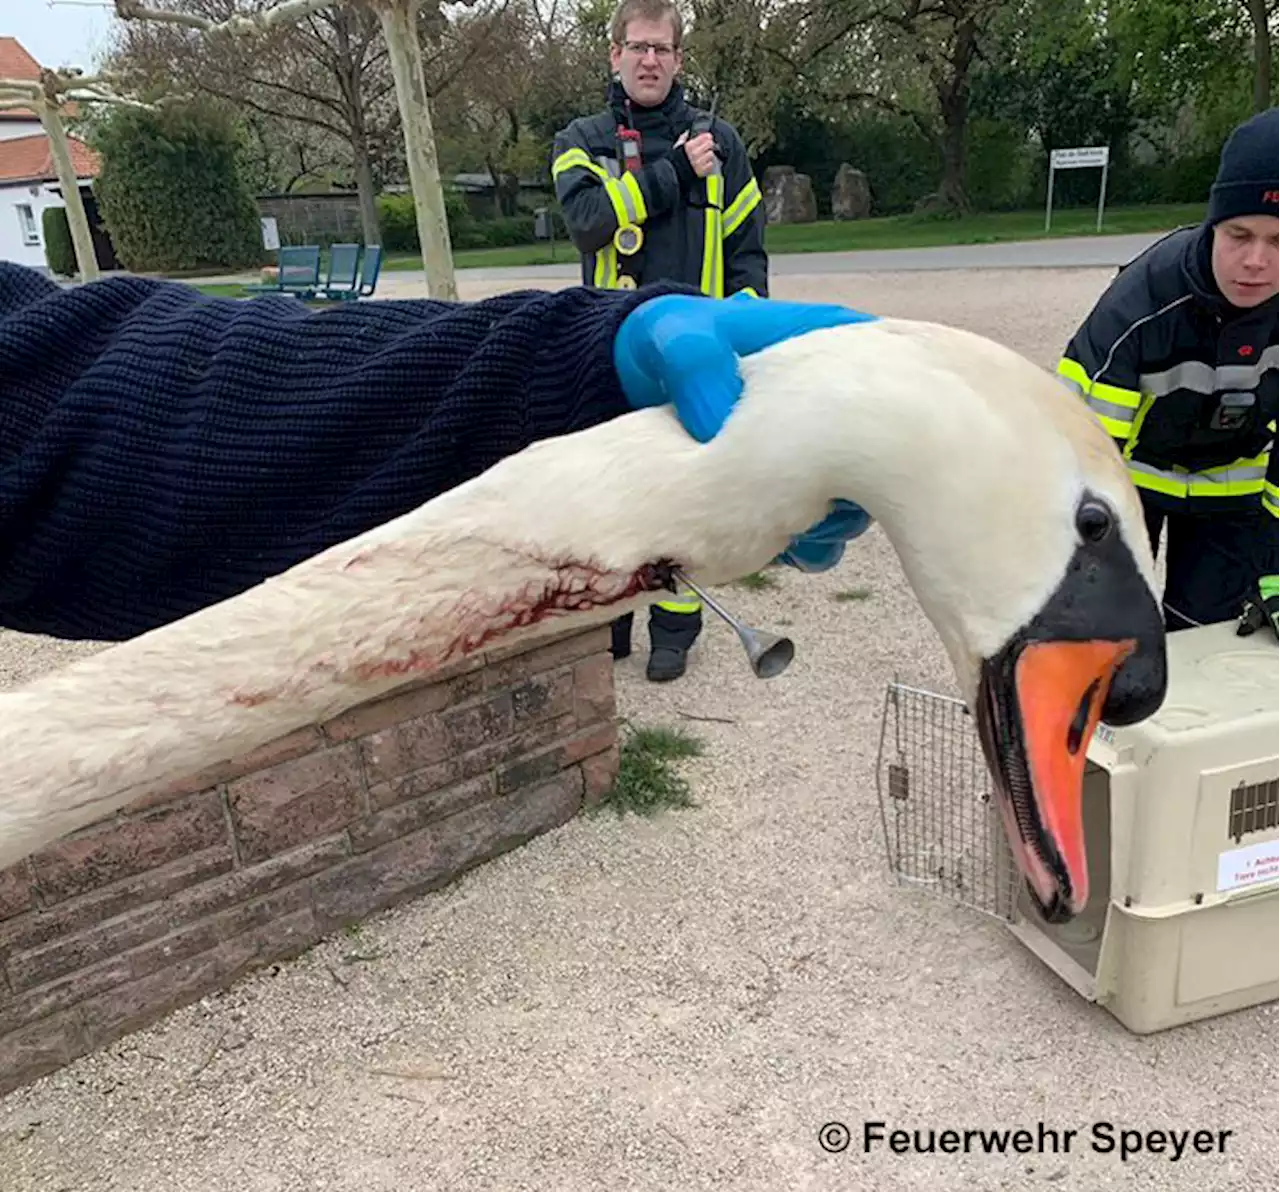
column 653, row 190
column 1178, row 359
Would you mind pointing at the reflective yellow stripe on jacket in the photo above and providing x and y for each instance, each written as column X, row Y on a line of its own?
column 722, row 222
column 1243, row 478
column 1270, row 499
column 746, row 201
column 712, row 281
column 624, row 193
column 1122, row 411
column 683, row 602
column 1115, row 407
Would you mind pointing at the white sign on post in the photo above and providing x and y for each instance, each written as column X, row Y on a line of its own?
column 1083, row 157
column 270, row 233
column 1076, row 159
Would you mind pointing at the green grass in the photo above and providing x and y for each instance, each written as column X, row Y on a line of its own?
column 222, row 289
column 756, row 581
column 851, row 594
column 647, row 779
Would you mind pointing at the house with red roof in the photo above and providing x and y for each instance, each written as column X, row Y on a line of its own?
column 28, row 177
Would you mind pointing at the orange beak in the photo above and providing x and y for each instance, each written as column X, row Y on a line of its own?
column 1037, row 726
column 1095, row 650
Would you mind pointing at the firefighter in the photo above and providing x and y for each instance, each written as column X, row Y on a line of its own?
column 1178, row 359
column 653, row 190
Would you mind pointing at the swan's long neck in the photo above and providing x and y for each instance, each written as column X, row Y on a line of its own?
column 564, row 533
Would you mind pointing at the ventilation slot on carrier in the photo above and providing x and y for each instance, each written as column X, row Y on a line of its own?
column 1253, row 808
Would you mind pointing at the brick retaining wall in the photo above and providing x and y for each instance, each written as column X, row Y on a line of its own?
column 251, row 862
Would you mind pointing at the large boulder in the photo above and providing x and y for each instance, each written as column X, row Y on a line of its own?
column 850, row 194
column 788, row 196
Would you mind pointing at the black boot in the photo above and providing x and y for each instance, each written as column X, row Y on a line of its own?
column 621, row 646
column 671, row 636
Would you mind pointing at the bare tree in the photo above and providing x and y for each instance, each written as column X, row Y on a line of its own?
column 398, row 20
column 326, row 75
column 513, row 65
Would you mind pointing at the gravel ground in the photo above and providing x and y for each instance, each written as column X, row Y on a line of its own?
column 679, row 1003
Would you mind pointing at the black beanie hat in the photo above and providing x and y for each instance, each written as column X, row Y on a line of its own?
column 1247, row 182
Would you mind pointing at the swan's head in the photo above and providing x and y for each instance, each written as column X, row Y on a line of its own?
column 1022, row 536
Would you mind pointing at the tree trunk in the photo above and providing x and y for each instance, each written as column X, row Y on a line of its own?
column 953, row 100
column 492, row 167
column 401, row 32
column 1261, row 55
column 352, row 88
column 77, row 219
column 365, row 189
column 953, row 191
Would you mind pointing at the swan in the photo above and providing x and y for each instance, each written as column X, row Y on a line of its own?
column 1009, row 508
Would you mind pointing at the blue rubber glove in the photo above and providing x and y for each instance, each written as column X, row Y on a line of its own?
column 822, row 546
column 684, row 349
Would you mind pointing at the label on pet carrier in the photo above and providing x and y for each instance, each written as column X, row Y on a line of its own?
column 1249, row 866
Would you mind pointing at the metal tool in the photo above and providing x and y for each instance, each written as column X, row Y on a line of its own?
column 706, row 123
column 770, row 655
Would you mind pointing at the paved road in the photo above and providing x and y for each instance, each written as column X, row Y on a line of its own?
column 1085, row 252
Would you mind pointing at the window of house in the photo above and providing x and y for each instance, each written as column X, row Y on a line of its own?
column 27, row 222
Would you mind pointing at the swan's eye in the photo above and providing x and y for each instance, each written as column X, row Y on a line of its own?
column 1094, row 521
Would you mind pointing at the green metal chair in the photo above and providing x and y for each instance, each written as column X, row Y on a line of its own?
column 297, row 272
column 340, row 280
column 361, row 287
column 370, row 268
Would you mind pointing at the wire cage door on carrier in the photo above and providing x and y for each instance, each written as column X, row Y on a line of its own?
column 942, row 832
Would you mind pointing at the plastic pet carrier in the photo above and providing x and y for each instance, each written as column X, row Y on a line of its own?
column 1183, row 919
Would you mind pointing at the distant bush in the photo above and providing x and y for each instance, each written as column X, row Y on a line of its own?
column 172, row 191
column 399, row 221
column 59, row 251
column 400, row 226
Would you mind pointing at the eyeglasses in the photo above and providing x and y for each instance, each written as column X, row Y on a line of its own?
column 661, row 49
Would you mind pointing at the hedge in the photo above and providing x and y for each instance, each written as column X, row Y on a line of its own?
column 59, row 249
column 172, row 192
column 400, row 226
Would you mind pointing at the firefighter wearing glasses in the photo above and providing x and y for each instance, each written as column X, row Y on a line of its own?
column 655, row 190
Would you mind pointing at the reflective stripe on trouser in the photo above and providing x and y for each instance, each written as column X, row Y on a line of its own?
column 673, row 630
column 683, row 602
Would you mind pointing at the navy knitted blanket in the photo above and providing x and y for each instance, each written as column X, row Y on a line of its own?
column 162, row 450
